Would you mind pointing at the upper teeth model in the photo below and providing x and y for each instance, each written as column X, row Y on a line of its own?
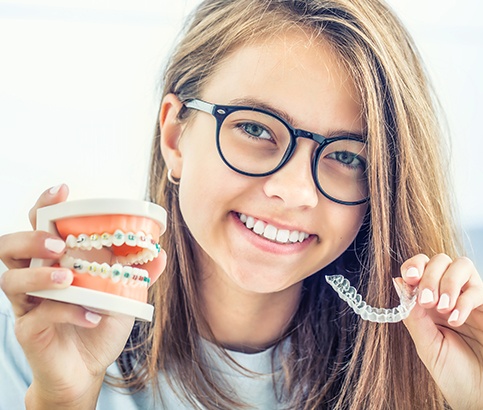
column 271, row 232
column 108, row 242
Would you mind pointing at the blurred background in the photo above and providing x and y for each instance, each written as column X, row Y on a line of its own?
column 79, row 91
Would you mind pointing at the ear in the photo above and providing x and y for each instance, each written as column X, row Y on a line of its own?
column 170, row 130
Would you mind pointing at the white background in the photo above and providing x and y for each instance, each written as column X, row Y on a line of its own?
column 79, row 86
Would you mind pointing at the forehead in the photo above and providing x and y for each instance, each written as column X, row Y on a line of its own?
column 294, row 72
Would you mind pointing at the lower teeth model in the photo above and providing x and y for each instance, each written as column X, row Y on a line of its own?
column 380, row 315
column 110, row 245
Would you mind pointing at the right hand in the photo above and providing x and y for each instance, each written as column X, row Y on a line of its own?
column 68, row 347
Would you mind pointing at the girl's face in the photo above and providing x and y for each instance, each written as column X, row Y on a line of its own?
column 305, row 80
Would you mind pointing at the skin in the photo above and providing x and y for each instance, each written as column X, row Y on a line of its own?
column 240, row 273
column 250, row 286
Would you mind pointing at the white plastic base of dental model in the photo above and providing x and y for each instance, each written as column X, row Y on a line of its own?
column 101, row 302
column 379, row 315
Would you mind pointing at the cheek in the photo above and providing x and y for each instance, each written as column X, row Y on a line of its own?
column 346, row 222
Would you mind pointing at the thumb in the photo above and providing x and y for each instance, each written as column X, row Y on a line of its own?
column 51, row 196
column 426, row 335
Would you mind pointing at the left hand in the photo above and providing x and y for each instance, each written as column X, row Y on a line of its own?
column 446, row 325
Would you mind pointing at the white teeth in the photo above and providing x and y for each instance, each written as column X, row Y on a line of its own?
column 126, row 274
column 270, row 232
column 131, row 239
column 142, row 240
column 71, row 241
column 118, row 238
column 259, row 227
column 84, row 242
column 116, row 272
column 282, row 235
column 106, row 239
column 94, row 268
column 96, row 241
column 294, row 236
column 105, row 270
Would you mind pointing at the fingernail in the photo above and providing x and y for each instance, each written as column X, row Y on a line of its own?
column 454, row 316
column 55, row 189
column 54, row 245
column 93, row 317
column 60, row 276
column 427, row 296
column 412, row 273
column 443, row 301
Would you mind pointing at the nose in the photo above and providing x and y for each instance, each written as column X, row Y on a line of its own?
column 293, row 183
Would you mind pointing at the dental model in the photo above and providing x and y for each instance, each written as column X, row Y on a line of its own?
column 110, row 245
column 380, row 315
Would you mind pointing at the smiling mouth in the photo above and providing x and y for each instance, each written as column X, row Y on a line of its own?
column 270, row 232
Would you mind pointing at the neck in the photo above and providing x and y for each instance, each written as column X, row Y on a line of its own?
column 247, row 321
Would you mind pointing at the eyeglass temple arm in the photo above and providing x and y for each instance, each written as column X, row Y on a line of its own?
column 200, row 105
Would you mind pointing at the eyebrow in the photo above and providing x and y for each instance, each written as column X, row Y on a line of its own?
column 255, row 103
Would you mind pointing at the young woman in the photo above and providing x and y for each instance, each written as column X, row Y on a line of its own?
column 297, row 139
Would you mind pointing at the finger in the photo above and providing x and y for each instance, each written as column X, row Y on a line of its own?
column 425, row 334
column 455, row 280
column 20, row 281
column 413, row 268
column 51, row 196
column 470, row 298
column 17, row 283
column 33, row 328
column 431, row 278
column 17, row 249
column 465, row 305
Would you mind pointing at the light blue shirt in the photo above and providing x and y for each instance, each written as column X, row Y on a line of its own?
column 16, row 376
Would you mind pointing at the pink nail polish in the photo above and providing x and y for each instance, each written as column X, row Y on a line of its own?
column 55, row 189
column 454, row 316
column 443, row 301
column 93, row 317
column 60, row 276
column 54, row 245
column 412, row 273
column 427, row 296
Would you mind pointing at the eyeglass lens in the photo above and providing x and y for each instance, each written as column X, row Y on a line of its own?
column 255, row 143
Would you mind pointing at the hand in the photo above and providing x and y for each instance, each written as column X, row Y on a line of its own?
column 68, row 347
column 446, row 325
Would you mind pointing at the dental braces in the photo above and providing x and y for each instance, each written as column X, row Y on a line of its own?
column 150, row 248
column 126, row 275
column 349, row 295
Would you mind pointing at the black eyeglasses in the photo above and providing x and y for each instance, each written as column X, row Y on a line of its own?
column 257, row 143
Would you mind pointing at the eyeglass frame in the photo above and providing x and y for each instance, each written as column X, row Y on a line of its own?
column 221, row 112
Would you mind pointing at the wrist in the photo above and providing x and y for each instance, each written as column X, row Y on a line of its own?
column 39, row 398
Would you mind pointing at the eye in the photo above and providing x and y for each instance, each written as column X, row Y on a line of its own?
column 347, row 158
column 255, row 130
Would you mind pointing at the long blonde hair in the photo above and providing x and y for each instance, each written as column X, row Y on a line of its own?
column 334, row 361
